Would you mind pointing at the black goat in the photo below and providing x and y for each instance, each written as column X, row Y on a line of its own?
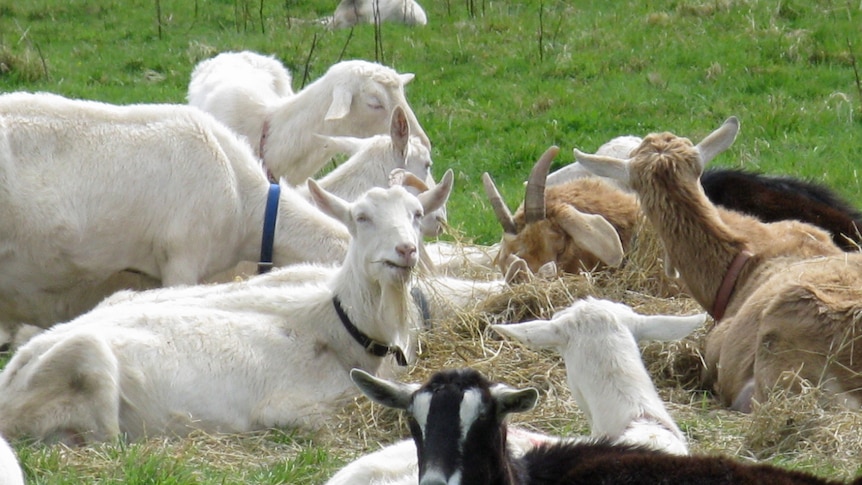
column 776, row 198
column 457, row 422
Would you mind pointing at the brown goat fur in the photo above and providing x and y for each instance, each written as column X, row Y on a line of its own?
column 792, row 314
column 548, row 240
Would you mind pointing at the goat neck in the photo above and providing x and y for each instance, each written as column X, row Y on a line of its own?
column 699, row 245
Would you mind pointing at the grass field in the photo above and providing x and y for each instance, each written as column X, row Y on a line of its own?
column 496, row 83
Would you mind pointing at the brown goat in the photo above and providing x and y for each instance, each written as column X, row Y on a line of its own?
column 579, row 225
column 791, row 298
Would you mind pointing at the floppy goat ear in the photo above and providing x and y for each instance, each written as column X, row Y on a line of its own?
column 510, row 400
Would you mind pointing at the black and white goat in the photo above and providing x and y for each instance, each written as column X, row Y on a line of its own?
column 457, row 422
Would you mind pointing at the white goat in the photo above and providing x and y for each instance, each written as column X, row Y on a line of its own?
column 619, row 147
column 227, row 358
column 353, row 12
column 10, row 470
column 353, row 98
column 598, row 341
column 90, row 189
column 372, row 161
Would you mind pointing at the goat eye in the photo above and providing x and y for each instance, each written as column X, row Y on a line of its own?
column 418, row 215
column 362, row 218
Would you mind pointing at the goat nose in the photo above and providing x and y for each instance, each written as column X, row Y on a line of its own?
column 406, row 251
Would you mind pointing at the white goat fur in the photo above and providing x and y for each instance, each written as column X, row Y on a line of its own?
column 224, row 358
column 372, row 161
column 10, row 470
column 353, row 98
column 90, row 189
column 353, row 12
column 598, row 341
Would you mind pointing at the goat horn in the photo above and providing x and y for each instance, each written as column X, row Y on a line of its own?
column 500, row 208
column 534, row 199
column 399, row 176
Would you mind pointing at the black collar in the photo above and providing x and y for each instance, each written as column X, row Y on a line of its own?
column 374, row 348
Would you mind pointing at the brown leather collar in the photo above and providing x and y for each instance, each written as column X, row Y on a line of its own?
column 722, row 296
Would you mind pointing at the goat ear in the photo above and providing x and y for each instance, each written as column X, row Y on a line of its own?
column 610, row 167
column 391, row 394
column 435, row 198
column 399, row 131
column 406, row 77
column 342, row 144
column 539, row 334
column 330, row 204
column 593, row 233
column 669, row 269
column 511, row 400
column 666, row 328
column 718, row 141
column 340, row 106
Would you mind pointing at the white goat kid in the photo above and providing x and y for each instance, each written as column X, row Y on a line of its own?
column 353, row 12
column 90, row 189
column 10, row 470
column 372, row 161
column 353, row 98
column 227, row 358
column 598, row 341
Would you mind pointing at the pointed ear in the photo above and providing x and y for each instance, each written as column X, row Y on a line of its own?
column 510, row 400
column 593, row 233
column 666, row 328
column 340, row 106
column 391, row 394
column 399, row 131
column 610, row 167
column 406, row 77
column 539, row 334
column 435, row 198
column 718, row 141
column 330, row 204
column 342, row 144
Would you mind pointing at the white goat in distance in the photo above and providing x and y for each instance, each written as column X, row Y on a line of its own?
column 353, row 98
column 353, row 12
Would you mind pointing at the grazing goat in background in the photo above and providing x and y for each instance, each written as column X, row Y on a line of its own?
column 353, row 12
column 578, row 225
column 228, row 358
column 457, row 422
column 786, row 299
column 353, row 98
column 166, row 191
column 772, row 198
column 598, row 341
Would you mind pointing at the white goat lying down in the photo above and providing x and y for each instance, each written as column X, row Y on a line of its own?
column 90, row 189
column 227, row 358
column 10, row 470
column 353, row 98
column 372, row 161
column 352, row 12
column 786, row 299
column 598, row 341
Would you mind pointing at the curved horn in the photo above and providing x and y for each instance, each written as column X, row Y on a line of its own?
column 500, row 209
column 399, row 176
column 534, row 198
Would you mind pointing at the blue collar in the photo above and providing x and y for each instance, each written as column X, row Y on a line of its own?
column 269, row 217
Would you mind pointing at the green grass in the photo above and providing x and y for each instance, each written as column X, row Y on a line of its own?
column 490, row 95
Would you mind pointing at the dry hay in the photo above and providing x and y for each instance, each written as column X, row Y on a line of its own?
column 803, row 433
